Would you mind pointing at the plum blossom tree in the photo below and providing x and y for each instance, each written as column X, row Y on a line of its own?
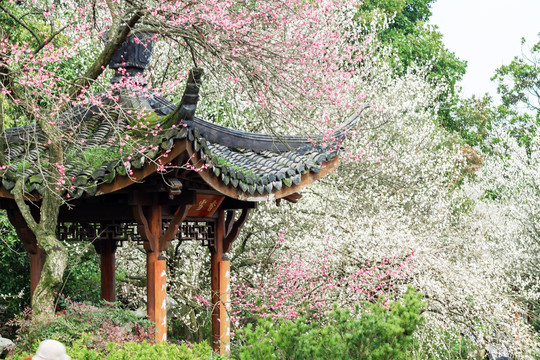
column 506, row 191
column 355, row 236
column 270, row 64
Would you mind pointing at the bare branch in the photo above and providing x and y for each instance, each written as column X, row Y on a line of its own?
column 22, row 24
column 18, row 194
column 105, row 57
column 49, row 39
column 115, row 15
column 6, row 81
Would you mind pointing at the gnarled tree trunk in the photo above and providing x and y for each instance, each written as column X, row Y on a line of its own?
column 51, row 275
column 55, row 252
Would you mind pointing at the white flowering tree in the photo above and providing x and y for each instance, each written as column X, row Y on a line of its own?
column 394, row 215
column 506, row 194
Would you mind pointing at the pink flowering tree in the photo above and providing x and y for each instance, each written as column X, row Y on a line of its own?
column 269, row 65
column 303, row 284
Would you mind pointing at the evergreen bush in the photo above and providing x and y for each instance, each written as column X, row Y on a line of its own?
column 374, row 332
column 136, row 351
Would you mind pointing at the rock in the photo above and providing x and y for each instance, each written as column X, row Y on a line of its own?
column 497, row 352
column 171, row 305
column 5, row 345
column 140, row 312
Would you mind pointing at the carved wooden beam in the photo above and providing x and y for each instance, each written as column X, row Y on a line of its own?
column 144, row 228
column 234, row 230
column 229, row 221
column 154, row 240
column 179, row 217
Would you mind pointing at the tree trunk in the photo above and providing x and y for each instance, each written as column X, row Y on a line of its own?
column 52, row 274
column 55, row 252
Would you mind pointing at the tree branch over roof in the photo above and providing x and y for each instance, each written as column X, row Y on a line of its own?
column 97, row 68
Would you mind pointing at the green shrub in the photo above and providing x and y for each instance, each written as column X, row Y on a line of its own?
column 82, row 280
column 94, row 327
column 372, row 333
column 136, row 351
column 15, row 283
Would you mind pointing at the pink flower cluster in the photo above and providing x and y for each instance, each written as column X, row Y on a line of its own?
column 298, row 285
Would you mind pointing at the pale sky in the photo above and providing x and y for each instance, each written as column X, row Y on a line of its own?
column 487, row 34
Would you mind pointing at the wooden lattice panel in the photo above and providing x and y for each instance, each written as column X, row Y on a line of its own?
column 203, row 231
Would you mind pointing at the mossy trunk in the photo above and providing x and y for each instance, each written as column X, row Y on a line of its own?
column 55, row 252
column 51, row 276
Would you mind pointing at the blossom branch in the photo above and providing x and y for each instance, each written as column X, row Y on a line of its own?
column 97, row 68
column 20, row 22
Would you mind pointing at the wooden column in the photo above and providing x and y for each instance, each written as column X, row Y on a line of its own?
column 27, row 237
column 152, row 257
column 220, row 279
column 37, row 260
column 160, row 299
column 217, row 280
column 150, row 220
column 225, row 306
column 106, row 248
column 156, row 278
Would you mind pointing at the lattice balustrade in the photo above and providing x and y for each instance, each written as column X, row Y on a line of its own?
column 203, row 231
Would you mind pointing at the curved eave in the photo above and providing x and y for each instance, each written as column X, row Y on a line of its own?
column 186, row 145
column 207, row 175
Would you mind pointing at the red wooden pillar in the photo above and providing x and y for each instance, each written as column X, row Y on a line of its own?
column 216, row 256
column 160, row 299
column 107, row 249
column 27, row 237
column 156, row 240
column 156, row 279
column 225, row 306
column 220, row 282
column 226, row 232
column 156, row 294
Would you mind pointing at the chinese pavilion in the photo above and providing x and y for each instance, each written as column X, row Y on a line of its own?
column 139, row 199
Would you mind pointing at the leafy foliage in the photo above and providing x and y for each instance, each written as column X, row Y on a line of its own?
column 418, row 44
column 82, row 280
column 519, row 88
column 519, row 81
column 95, row 327
column 15, row 284
column 375, row 332
column 137, row 351
column 472, row 120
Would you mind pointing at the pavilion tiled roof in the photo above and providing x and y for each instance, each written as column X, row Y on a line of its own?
column 249, row 166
